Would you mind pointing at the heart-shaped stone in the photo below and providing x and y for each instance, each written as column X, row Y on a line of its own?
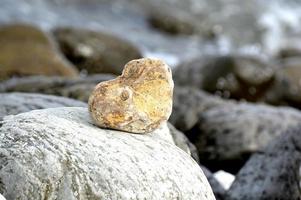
column 138, row 101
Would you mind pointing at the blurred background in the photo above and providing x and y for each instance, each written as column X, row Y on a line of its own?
column 236, row 65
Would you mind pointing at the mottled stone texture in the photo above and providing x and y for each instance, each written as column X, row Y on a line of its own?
column 138, row 101
column 272, row 173
column 59, row 154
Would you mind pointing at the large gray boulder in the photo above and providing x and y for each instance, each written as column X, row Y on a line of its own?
column 15, row 103
column 272, row 173
column 59, row 154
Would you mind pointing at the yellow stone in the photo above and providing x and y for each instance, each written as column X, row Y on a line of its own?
column 138, row 101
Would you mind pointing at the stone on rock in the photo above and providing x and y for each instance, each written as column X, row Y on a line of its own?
column 26, row 50
column 272, row 173
column 58, row 153
column 138, row 101
column 15, row 103
column 78, row 88
column 95, row 52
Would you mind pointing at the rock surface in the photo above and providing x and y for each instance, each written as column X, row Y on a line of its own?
column 26, row 50
column 272, row 173
column 226, row 136
column 234, row 76
column 183, row 142
column 95, row 52
column 138, row 101
column 15, row 103
column 189, row 103
column 287, row 87
column 77, row 88
column 58, row 154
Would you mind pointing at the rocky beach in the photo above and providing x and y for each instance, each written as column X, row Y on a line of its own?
column 150, row 100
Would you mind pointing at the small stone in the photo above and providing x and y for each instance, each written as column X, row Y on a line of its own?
column 138, row 101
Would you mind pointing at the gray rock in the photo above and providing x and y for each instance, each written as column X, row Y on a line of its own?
column 287, row 87
column 59, row 154
column 15, row 103
column 272, row 173
column 181, row 141
column 228, row 135
column 235, row 76
column 95, row 52
column 77, row 88
column 188, row 103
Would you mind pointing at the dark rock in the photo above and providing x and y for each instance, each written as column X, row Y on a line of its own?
column 272, row 173
column 15, row 103
column 231, row 76
column 95, row 52
column 188, row 103
column 26, row 50
column 78, row 88
column 226, row 136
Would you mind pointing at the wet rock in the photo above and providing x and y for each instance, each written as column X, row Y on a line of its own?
column 138, row 101
column 58, row 154
column 26, row 50
column 77, row 88
column 15, row 103
column 272, row 173
column 188, row 103
column 95, row 52
column 231, row 76
column 226, row 136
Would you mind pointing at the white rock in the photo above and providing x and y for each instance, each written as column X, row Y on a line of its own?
column 226, row 179
column 59, row 154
